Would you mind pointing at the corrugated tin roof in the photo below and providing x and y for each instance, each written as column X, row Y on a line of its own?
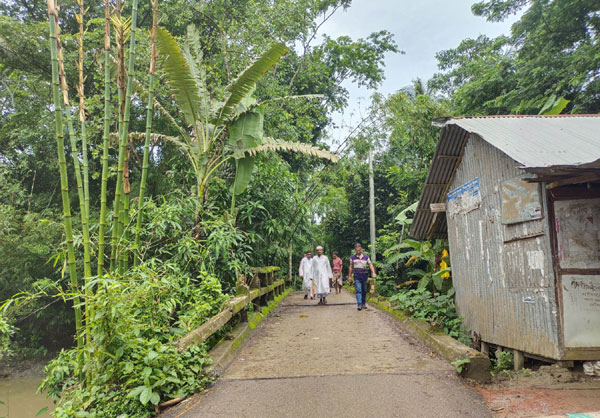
column 540, row 141
column 541, row 144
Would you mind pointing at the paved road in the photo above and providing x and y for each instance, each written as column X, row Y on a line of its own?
column 334, row 361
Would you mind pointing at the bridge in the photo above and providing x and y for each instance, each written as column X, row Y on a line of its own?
column 306, row 360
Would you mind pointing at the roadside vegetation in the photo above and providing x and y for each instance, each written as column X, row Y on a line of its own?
column 153, row 151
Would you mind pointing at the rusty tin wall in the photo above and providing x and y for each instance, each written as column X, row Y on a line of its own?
column 503, row 274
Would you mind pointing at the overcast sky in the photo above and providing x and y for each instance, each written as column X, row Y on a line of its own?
column 420, row 27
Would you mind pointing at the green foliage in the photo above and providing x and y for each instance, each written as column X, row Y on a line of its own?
column 425, row 259
column 136, row 322
column 6, row 332
column 553, row 49
column 461, row 364
column 438, row 310
column 239, row 115
column 146, row 373
column 192, row 256
column 554, row 105
column 399, row 128
column 503, row 362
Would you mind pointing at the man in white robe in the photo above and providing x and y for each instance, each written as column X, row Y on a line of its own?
column 321, row 275
column 306, row 272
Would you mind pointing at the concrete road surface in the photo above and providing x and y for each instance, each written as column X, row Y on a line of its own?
column 333, row 361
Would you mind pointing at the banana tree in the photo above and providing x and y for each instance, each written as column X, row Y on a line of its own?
column 427, row 255
column 217, row 132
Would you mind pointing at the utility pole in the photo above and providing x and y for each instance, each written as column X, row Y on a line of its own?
column 372, row 205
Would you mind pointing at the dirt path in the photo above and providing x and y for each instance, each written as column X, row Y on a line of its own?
column 333, row 361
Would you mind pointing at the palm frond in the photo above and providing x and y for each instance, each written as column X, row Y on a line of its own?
column 246, row 82
column 180, row 77
column 270, row 144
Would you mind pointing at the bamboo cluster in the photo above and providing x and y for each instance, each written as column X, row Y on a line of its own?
column 79, row 149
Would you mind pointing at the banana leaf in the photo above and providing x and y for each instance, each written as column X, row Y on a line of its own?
column 243, row 174
column 246, row 132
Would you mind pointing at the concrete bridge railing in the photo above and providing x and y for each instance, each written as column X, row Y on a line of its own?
column 258, row 290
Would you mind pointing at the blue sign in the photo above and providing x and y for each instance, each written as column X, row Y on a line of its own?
column 471, row 189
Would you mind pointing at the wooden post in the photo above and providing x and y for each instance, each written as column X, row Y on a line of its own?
column 485, row 348
column 518, row 359
column 567, row 364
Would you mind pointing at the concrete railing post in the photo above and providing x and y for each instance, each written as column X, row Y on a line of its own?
column 242, row 289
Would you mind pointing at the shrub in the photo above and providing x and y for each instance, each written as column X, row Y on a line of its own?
column 131, row 362
column 503, row 362
column 439, row 310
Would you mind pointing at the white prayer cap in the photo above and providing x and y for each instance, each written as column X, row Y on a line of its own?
column 319, row 248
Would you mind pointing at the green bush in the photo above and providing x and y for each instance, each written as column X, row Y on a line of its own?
column 131, row 363
column 504, row 361
column 437, row 309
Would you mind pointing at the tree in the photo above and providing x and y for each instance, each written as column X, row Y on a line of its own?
column 221, row 131
column 553, row 49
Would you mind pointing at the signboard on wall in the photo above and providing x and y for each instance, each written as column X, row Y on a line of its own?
column 520, row 201
column 465, row 198
column 577, row 224
column 581, row 307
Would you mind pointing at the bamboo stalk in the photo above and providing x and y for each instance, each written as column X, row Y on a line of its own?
column 87, row 265
column 124, row 217
column 120, row 41
column 62, row 164
column 138, row 229
column 125, row 128
column 105, row 139
column 81, row 93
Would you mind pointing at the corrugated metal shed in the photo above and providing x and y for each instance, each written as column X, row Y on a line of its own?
column 542, row 144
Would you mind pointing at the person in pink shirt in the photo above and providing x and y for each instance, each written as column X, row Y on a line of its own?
column 337, row 273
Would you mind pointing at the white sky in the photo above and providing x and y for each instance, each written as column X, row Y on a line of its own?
column 420, row 27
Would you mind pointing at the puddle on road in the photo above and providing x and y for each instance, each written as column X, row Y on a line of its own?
column 20, row 398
